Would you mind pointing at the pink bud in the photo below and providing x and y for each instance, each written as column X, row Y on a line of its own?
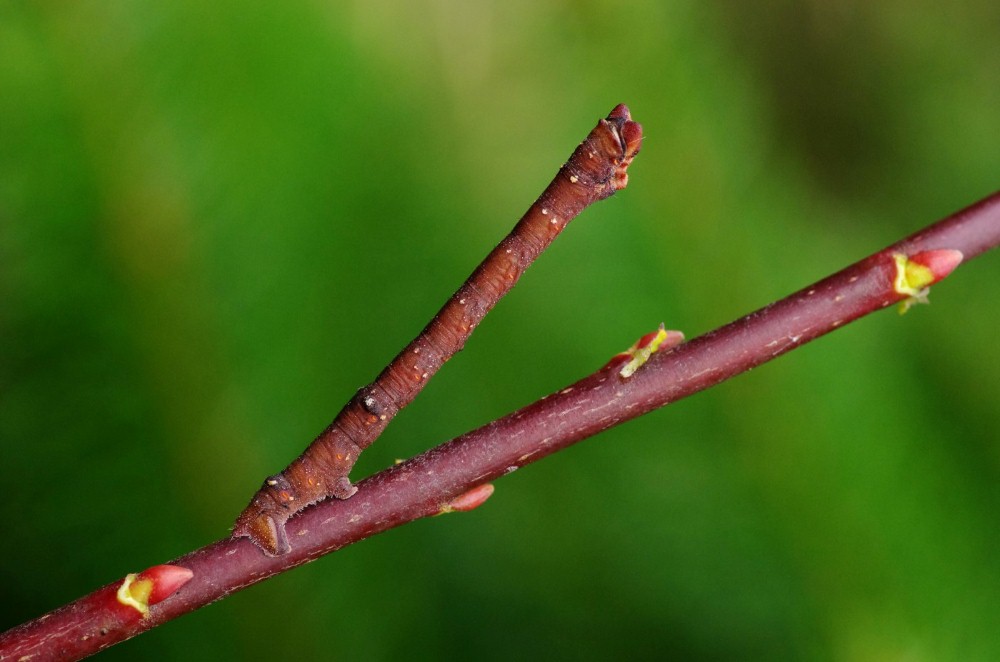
column 167, row 579
column 470, row 500
column 940, row 262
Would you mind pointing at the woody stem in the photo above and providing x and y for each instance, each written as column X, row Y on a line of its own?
column 422, row 485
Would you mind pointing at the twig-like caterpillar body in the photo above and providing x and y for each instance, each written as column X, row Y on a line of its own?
column 594, row 171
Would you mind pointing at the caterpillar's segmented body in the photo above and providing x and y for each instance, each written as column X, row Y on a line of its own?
column 594, row 171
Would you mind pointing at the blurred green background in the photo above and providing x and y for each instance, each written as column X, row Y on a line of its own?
column 217, row 220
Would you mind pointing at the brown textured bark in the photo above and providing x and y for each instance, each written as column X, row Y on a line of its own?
column 594, row 171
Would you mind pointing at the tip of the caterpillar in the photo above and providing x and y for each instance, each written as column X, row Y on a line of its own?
column 629, row 137
column 629, row 132
column 263, row 530
column 620, row 111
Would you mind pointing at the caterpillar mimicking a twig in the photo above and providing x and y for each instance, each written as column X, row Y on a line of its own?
column 594, row 171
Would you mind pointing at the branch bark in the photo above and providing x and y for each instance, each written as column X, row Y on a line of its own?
column 596, row 169
column 436, row 480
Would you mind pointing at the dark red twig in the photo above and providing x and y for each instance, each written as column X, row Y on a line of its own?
column 437, row 479
column 595, row 170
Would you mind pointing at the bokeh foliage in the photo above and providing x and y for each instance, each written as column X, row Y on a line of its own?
column 218, row 219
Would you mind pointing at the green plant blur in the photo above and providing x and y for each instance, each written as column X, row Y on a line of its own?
column 218, row 219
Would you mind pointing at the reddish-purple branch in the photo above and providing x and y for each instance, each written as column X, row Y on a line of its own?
column 432, row 482
column 595, row 170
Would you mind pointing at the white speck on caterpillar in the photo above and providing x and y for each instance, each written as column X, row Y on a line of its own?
column 574, row 179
